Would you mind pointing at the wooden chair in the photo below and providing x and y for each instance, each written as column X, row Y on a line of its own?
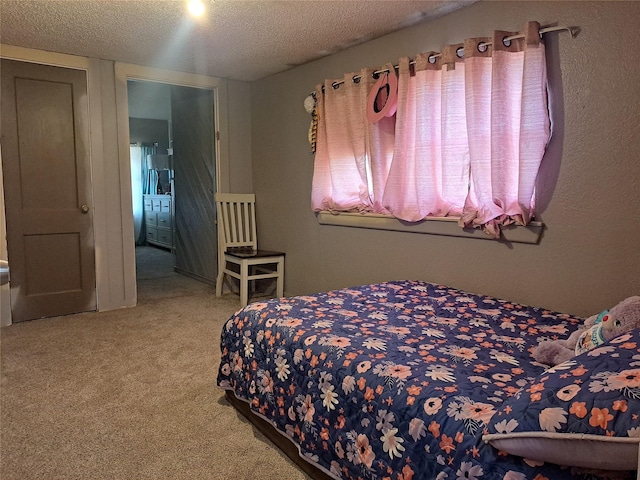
column 238, row 254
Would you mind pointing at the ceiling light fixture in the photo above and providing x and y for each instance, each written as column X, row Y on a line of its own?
column 195, row 7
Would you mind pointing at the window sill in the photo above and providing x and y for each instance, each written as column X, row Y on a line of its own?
column 447, row 226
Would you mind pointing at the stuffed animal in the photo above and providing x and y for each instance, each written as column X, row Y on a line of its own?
column 597, row 330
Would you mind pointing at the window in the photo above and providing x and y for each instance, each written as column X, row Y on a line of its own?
column 465, row 142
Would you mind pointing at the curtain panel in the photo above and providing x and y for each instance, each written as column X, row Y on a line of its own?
column 352, row 155
column 141, row 184
column 466, row 141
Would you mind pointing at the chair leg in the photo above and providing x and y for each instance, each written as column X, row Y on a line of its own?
column 244, row 285
column 280, row 279
column 220, row 280
column 252, row 285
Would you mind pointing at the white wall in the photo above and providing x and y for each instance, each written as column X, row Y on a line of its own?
column 588, row 258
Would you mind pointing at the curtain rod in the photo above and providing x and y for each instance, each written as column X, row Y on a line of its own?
column 572, row 30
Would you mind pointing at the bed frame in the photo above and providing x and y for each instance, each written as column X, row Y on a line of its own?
column 279, row 440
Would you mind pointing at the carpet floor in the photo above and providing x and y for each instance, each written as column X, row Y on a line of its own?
column 128, row 394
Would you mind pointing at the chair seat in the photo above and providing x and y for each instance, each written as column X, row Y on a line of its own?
column 250, row 253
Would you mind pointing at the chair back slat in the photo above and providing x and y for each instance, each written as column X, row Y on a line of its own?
column 233, row 233
column 246, row 215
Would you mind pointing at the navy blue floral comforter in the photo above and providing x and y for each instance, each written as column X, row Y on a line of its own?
column 396, row 380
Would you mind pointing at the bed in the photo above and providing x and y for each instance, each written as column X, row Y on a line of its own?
column 412, row 380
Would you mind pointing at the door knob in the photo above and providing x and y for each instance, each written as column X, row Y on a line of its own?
column 84, row 208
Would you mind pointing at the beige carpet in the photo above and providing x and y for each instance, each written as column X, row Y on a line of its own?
column 128, row 394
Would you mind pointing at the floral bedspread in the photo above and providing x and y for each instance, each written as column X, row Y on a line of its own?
column 396, row 380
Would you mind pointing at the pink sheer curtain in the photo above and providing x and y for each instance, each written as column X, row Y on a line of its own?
column 352, row 156
column 429, row 174
column 466, row 141
column 508, row 128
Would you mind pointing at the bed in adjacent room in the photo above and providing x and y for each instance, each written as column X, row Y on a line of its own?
column 412, row 380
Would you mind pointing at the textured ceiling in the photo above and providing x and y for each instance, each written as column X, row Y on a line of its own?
column 243, row 40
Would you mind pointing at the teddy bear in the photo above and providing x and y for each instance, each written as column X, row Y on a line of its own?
column 597, row 329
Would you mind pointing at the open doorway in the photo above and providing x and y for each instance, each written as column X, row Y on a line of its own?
column 173, row 179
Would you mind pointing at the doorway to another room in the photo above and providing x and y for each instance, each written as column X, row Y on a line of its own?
column 156, row 277
column 173, row 178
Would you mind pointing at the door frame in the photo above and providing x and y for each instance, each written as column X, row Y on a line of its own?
column 125, row 72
